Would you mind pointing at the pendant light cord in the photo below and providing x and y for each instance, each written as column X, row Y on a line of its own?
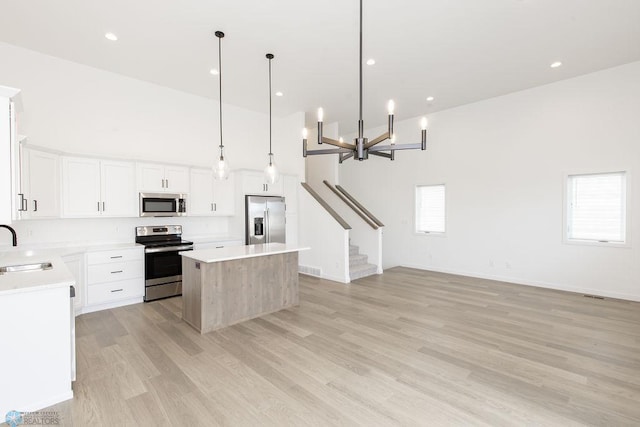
column 360, row 124
column 220, row 83
column 270, row 57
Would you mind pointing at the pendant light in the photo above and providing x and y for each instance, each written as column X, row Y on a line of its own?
column 271, row 174
column 221, row 167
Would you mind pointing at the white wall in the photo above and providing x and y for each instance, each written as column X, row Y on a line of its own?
column 78, row 109
column 504, row 163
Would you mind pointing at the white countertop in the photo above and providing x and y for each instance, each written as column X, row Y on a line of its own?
column 239, row 252
column 27, row 281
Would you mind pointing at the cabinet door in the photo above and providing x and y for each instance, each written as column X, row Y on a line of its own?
column 150, row 178
column 75, row 265
column 42, row 183
column 176, row 179
column 81, row 187
column 291, row 185
column 201, row 195
column 253, row 184
column 224, row 196
column 118, row 189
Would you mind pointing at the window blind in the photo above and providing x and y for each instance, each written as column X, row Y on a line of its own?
column 430, row 208
column 597, row 207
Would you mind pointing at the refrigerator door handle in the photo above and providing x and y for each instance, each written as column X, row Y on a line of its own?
column 266, row 226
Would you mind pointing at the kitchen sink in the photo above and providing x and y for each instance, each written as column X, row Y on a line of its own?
column 26, row 267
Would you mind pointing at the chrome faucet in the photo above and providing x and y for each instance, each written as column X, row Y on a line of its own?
column 13, row 233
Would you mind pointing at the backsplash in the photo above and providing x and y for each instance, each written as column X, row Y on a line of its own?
column 103, row 230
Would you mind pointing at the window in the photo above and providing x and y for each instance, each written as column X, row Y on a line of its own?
column 430, row 209
column 596, row 207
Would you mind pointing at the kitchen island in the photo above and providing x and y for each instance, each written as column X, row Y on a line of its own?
column 224, row 286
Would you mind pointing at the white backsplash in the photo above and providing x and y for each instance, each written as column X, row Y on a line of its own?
column 106, row 230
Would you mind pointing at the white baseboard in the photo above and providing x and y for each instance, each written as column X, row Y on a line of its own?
column 538, row 284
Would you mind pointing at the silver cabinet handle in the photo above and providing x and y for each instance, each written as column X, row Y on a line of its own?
column 215, row 207
column 35, row 205
column 98, row 206
column 117, row 256
column 212, row 206
column 23, row 201
column 103, row 209
column 117, row 271
column 167, row 181
column 116, row 290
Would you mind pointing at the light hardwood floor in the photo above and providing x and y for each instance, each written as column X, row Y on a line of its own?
column 408, row 347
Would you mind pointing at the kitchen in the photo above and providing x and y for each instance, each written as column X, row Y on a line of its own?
column 347, row 354
column 62, row 181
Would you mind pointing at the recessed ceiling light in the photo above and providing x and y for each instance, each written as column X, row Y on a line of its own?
column 556, row 64
column 214, row 71
column 371, row 61
column 430, row 98
column 279, row 94
column 111, row 36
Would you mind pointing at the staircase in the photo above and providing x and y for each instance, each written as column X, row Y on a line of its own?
column 358, row 266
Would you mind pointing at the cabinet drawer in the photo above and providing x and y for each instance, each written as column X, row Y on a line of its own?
column 113, row 291
column 116, row 255
column 100, row 273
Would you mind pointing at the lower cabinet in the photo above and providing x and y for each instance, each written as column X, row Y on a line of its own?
column 75, row 264
column 114, row 278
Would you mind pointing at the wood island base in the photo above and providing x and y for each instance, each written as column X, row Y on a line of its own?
column 221, row 293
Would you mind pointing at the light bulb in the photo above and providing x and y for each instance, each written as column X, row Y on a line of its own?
column 320, row 114
column 423, row 123
column 305, row 133
column 221, row 169
column 271, row 174
column 341, row 139
column 391, row 106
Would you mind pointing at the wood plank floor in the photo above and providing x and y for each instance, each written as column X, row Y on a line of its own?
column 408, row 347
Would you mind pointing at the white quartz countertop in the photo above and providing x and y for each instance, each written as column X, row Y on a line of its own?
column 229, row 253
column 27, row 281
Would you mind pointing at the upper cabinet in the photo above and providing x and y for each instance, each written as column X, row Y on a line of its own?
column 8, row 155
column 93, row 187
column 253, row 183
column 209, row 197
column 39, row 184
column 159, row 178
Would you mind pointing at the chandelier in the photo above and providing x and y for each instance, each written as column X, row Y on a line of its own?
column 362, row 147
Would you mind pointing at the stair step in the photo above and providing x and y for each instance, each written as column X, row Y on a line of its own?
column 357, row 259
column 364, row 270
column 353, row 250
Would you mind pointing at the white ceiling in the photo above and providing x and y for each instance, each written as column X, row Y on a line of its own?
column 458, row 51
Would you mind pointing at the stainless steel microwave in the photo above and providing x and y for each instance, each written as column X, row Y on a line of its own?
column 163, row 204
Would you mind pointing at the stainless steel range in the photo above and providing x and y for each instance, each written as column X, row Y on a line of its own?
column 162, row 260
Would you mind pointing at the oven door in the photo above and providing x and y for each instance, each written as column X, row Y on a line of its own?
column 163, row 272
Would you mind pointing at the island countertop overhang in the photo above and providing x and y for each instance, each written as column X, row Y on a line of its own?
column 229, row 253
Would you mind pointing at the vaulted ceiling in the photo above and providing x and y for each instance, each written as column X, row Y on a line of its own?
column 458, row 51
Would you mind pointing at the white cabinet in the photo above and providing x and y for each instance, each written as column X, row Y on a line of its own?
column 93, row 187
column 39, row 184
column 253, row 184
column 210, row 197
column 8, row 156
column 114, row 278
column 291, row 186
column 75, row 264
column 161, row 178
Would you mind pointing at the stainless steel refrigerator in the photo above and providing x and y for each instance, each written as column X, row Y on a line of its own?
column 264, row 219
